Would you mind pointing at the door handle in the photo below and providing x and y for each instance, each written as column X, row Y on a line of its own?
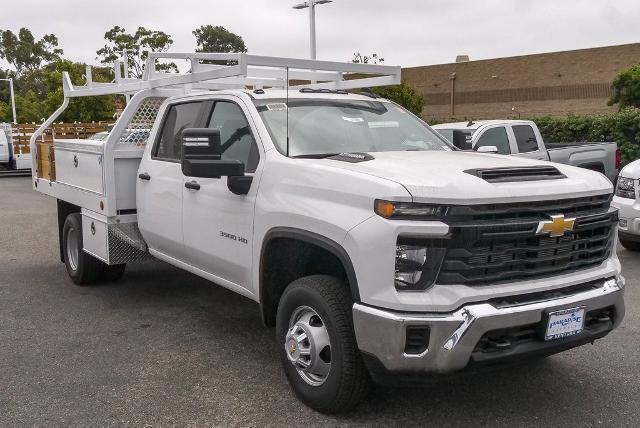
column 144, row 176
column 193, row 185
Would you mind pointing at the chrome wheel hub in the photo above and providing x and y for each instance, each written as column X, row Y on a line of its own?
column 72, row 248
column 308, row 347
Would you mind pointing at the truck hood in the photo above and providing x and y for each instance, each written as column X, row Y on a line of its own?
column 631, row 170
column 438, row 176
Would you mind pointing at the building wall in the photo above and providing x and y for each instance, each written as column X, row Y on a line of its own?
column 558, row 83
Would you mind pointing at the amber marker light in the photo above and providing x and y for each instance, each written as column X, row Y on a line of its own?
column 409, row 210
column 384, row 208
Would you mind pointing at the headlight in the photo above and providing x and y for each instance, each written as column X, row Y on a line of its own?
column 409, row 210
column 625, row 188
column 417, row 263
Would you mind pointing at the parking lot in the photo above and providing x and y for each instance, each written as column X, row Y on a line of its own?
column 163, row 347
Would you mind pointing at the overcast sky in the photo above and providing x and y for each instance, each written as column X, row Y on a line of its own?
column 404, row 32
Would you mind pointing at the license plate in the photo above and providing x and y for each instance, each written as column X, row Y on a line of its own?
column 565, row 323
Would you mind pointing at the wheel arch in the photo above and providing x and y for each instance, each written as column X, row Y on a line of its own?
column 268, row 310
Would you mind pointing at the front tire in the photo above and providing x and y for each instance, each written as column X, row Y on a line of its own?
column 630, row 245
column 83, row 268
column 314, row 332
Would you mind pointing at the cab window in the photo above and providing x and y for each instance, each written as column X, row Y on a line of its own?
column 177, row 118
column 236, row 139
column 495, row 137
column 526, row 138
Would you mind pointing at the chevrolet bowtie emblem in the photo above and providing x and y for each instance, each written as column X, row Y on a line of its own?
column 555, row 227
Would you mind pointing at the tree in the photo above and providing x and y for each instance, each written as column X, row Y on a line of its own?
column 358, row 58
column 26, row 53
column 5, row 96
column 39, row 93
column 217, row 39
column 404, row 94
column 137, row 47
column 626, row 88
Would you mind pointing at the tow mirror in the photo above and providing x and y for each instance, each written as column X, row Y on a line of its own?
column 202, row 157
column 202, row 153
column 487, row 149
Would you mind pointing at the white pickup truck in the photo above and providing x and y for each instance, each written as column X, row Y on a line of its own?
column 376, row 249
column 523, row 138
column 12, row 162
column 626, row 200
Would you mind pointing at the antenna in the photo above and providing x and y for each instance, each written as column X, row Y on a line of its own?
column 287, row 111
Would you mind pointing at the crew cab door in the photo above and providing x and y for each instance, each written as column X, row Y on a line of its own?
column 528, row 142
column 494, row 135
column 160, row 183
column 217, row 224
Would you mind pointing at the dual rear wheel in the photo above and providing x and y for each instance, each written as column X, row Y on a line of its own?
column 83, row 268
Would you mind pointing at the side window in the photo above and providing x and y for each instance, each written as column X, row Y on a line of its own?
column 526, row 138
column 178, row 117
column 495, row 137
column 236, row 139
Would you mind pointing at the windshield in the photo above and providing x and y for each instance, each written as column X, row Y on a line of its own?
column 326, row 127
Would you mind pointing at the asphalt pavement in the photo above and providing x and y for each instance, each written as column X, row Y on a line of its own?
column 164, row 347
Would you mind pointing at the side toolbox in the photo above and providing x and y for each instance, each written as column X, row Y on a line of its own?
column 79, row 163
column 113, row 240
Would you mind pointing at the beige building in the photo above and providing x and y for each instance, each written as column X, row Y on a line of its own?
column 557, row 83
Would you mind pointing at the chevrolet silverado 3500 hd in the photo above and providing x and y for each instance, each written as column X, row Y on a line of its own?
column 376, row 249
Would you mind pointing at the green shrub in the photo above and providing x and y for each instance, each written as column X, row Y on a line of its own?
column 403, row 94
column 622, row 127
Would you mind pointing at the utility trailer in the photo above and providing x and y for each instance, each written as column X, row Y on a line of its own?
column 98, row 178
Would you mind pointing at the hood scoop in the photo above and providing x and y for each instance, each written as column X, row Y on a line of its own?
column 514, row 174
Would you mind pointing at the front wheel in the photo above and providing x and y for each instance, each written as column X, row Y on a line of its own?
column 629, row 245
column 314, row 330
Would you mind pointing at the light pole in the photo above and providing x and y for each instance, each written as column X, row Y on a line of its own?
column 13, row 98
column 311, row 4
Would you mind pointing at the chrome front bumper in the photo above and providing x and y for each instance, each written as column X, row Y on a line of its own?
column 454, row 336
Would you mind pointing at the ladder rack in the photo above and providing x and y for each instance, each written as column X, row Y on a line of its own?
column 246, row 71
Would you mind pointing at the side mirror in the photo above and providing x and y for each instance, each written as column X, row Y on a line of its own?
column 461, row 139
column 487, row 149
column 202, row 157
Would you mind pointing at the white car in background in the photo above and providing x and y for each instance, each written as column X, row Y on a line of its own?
column 626, row 200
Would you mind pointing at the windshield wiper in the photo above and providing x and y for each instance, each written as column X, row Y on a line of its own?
column 315, row 156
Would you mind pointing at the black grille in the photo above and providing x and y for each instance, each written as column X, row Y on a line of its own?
column 496, row 243
column 529, row 173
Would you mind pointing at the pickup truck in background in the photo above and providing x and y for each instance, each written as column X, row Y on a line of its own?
column 376, row 249
column 627, row 201
column 523, row 138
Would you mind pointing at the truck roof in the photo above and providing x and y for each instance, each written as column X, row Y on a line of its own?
column 473, row 125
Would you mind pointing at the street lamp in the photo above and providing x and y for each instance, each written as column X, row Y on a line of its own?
column 13, row 98
column 311, row 4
